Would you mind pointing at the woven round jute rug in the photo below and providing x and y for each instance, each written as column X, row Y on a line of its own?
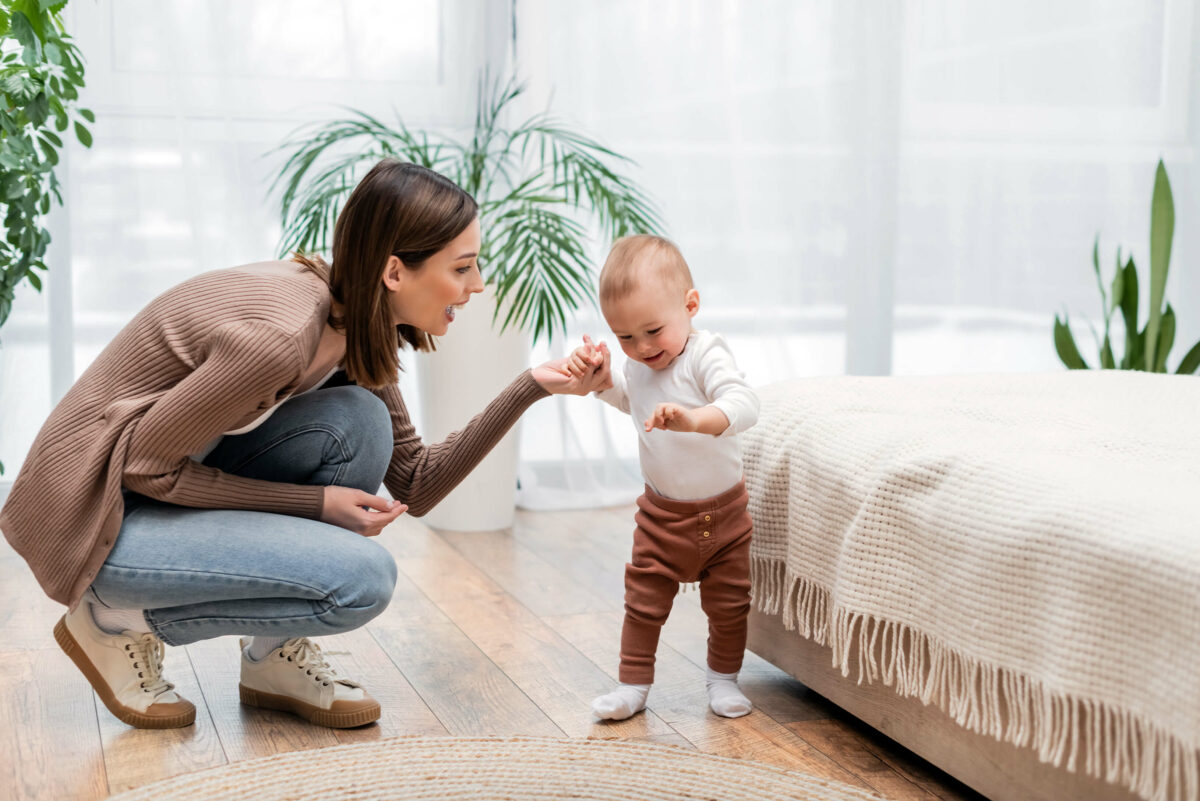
column 518, row 768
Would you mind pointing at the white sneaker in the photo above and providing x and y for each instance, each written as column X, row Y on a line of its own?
column 125, row 670
column 296, row 678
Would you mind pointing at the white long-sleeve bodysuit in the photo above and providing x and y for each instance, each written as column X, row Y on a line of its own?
column 687, row 466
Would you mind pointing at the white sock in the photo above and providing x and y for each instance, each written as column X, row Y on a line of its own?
column 724, row 696
column 119, row 621
column 259, row 647
column 625, row 701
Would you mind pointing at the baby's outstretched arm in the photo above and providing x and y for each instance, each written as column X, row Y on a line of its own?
column 702, row 420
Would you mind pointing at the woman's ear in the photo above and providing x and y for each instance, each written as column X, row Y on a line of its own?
column 692, row 302
column 394, row 273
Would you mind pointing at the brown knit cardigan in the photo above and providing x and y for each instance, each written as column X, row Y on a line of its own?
column 205, row 357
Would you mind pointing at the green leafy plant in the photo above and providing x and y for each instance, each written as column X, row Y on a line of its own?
column 530, row 180
column 41, row 73
column 1145, row 348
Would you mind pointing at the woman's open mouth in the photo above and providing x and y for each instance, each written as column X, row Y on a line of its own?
column 451, row 310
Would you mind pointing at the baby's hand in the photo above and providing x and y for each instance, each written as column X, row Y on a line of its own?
column 579, row 373
column 586, row 358
column 672, row 417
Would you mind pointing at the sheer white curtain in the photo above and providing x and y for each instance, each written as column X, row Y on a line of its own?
column 859, row 187
column 873, row 187
column 189, row 95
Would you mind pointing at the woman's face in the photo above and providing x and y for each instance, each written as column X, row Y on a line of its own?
column 426, row 298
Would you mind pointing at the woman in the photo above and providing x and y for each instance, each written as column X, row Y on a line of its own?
column 194, row 483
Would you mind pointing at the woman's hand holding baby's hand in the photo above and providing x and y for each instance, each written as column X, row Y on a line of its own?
column 358, row 511
column 588, row 369
column 672, row 417
column 587, row 357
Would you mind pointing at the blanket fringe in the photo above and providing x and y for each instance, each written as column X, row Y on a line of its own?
column 1109, row 743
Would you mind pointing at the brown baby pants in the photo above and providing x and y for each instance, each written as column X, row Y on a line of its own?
column 685, row 541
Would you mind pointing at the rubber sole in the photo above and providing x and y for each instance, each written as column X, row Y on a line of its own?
column 66, row 641
column 313, row 714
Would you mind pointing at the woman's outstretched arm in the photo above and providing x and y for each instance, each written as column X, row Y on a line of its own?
column 421, row 475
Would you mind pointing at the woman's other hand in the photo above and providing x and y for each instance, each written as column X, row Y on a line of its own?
column 588, row 369
column 358, row 511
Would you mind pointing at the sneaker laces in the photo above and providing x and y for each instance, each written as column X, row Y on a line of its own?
column 307, row 654
column 147, row 653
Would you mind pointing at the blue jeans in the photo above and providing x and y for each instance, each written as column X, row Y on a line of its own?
column 202, row 573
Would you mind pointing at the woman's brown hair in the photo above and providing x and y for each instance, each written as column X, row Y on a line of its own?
column 398, row 209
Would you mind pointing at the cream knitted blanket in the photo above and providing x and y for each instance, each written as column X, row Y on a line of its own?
column 1022, row 551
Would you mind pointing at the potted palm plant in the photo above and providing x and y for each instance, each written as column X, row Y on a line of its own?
column 539, row 183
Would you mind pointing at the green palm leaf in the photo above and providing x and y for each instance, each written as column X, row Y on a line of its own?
column 540, row 269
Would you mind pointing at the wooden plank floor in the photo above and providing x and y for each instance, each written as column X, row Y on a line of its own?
column 510, row 632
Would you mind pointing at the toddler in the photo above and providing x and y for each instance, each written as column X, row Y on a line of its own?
column 688, row 401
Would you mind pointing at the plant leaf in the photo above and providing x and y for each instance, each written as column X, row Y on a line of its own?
column 1190, row 362
column 540, row 269
column 51, row 153
column 1129, row 312
column 1118, row 286
column 23, row 29
column 1064, row 344
column 1166, row 339
column 1096, row 270
column 1162, row 231
column 38, row 110
column 578, row 171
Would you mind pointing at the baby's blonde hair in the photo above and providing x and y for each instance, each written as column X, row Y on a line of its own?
column 636, row 259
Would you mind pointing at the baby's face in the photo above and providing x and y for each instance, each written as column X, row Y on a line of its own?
column 652, row 323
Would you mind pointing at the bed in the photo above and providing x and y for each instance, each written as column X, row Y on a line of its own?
column 1002, row 573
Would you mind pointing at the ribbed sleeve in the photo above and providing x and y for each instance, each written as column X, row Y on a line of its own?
column 421, row 475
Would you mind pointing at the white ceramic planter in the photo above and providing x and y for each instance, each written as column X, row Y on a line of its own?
column 470, row 367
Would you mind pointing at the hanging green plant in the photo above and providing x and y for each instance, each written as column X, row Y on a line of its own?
column 1146, row 348
column 40, row 79
column 529, row 181
column 41, row 73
